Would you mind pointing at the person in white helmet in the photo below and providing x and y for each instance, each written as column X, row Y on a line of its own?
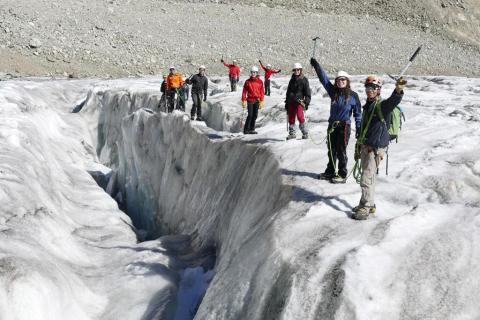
column 174, row 85
column 199, row 84
column 297, row 100
column 233, row 73
column 253, row 98
column 268, row 73
column 344, row 103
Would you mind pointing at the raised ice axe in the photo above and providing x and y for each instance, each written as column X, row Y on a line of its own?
column 407, row 65
column 314, row 45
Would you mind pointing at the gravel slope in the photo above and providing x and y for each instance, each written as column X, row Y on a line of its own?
column 118, row 38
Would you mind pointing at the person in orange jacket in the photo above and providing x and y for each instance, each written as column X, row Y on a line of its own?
column 253, row 98
column 233, row 73
column 174, row 86
column 268, row 73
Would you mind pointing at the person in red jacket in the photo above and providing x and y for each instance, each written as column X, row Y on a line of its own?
column 233, row 73
column 252, row 97
column 268, row 73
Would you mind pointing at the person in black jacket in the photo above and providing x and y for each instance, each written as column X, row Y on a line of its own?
column 373, row 139
column 162, row 105
column 344, row 103
column 298, row 99
column 199, row 84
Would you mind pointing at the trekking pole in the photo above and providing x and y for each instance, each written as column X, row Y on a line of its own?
column 314, row 45
column 407, row 65
column 286, row 117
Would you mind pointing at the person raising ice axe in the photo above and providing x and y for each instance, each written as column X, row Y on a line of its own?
column 268, row 73
column 344, row 103
column 233, row 73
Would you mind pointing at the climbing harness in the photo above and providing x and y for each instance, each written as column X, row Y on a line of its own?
column 357, row 169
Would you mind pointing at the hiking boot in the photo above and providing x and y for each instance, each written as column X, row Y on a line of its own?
column 338, row 179
column 199, row 118
column 372, row 209
column 291, row 136
column 325, row 176
column 304, row 131
column 253, row 132
column 192, row 118
column 363, row 212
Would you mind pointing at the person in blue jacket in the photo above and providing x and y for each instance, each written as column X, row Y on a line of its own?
column 344, row 103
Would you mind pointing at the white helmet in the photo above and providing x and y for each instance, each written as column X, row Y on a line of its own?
column 254, row 69
column 268, row 66
column 201, row 67
column 171, row 67
column 297, row 65
column 342, row 74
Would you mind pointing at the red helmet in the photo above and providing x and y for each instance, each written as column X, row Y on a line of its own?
column 373, row 79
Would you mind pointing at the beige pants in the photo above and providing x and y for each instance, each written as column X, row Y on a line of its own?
column 370, row 161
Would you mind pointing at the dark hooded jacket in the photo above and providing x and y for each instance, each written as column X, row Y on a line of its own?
column 377, row 131
column 298, row 89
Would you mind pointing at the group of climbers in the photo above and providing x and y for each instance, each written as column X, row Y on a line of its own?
column 371, row 125
column 175, row 90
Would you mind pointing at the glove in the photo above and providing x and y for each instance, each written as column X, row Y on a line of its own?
column 244, row 104
column 221, row 61
column 286, row 106
column 400, row 85
column 306, row 106
column 313, row 62
column 205, row 98
column 279, row 71
column 261, row 105
column 357, row 133
column 260, row 61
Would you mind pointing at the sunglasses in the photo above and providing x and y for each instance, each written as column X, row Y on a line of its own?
column 371, row 87
column 296, row 69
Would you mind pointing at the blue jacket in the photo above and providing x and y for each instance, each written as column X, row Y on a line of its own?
column 341, row 109
column 377, row 132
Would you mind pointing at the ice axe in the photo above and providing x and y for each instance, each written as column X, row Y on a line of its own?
column 314, row 45
column 407, row 65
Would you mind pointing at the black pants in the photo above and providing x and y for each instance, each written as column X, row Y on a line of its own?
column 233, row 83
column 197, row 104
column 171, row 99
column 338, row 141
column 162, row 104
column 252, row 108
column 267, row 87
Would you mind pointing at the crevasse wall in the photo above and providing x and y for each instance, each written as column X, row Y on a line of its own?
column 172, row 178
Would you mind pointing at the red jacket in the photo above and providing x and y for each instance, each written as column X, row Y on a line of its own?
column 268, row 72
column 233, row 70
column 253, row 90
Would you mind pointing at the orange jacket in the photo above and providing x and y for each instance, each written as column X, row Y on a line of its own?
column 174, row 81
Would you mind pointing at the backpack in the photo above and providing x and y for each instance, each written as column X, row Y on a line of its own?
column 396, row 122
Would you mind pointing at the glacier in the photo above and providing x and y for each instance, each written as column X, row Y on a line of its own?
column 226, row 226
